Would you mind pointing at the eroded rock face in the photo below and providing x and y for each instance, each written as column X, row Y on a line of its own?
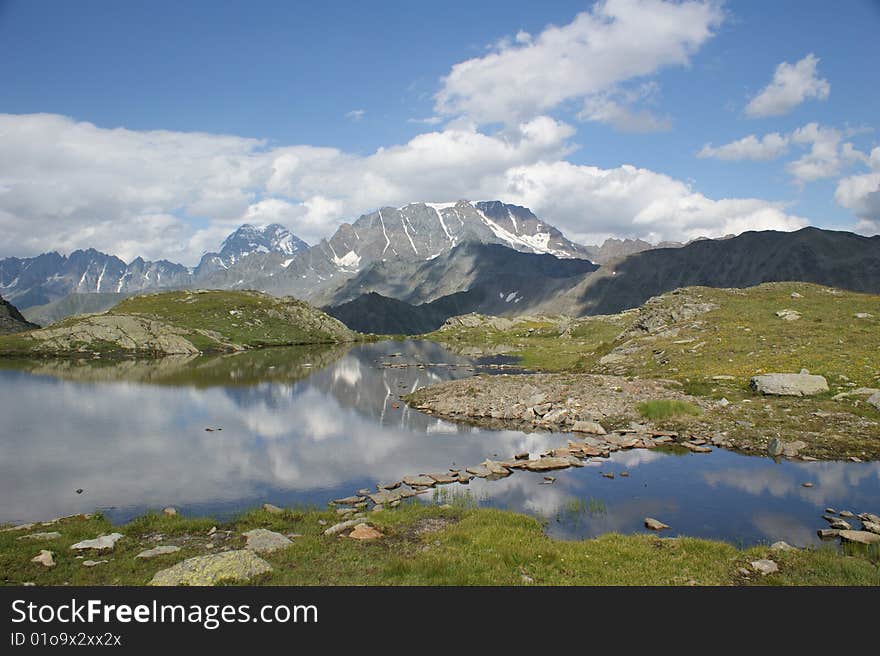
column 789, row 384
column 240, row 565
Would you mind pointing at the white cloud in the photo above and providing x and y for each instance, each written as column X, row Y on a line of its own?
column 861, row 194
column 616, row 41
column 616, row 108
column 792, row 84
column 827, row 157
column 770, row 146
column 355, row 114
column 589, row 203
column 66, row 185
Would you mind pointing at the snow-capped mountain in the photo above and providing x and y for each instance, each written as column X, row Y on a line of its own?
column 38, row 280
column 422, row 231
column 250, row 240
column 272, row 259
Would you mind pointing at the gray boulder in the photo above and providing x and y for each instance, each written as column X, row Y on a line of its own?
column 211, row 570
column 789, row 384
column 874, row 400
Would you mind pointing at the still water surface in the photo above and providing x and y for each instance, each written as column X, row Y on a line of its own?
column 306, row 425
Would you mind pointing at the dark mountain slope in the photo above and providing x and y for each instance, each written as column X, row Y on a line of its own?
column 825, row 257
column 11, row 320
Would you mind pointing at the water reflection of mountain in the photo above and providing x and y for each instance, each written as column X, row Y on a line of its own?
column 257, row 367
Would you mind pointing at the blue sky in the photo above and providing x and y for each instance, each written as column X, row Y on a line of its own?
column 349, row 84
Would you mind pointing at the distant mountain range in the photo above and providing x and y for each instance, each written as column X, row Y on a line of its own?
column 407, row 269
column 273, row 259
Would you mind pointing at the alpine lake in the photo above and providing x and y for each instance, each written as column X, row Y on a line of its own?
column 217, row 435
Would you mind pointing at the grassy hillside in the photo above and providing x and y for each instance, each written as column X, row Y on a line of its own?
column 713, row 341
column 184, row 322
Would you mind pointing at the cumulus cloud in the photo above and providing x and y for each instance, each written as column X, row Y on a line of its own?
column 590, row 203
column 861, row 194
column 355, row 114
column 770, row 146
column 791, row 85
column 827, row 155
column 617, row 108
column 616, row 41
column 66, row 185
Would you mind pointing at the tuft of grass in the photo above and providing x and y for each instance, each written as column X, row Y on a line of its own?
column 660, row 409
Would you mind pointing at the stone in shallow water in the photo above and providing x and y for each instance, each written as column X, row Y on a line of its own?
column 158, row 551
column 654, row 524
column 348, row 501
column 547, row 464
column 263, row 540
column 593, row 427
column 764, row 566
column 418, row 481
column 212, row 569
column 479, row 471
column 826, row 533
column 44, row 558
column 443, row 479
column 384, row 497
column 100, row 542
column 782, row 546
column 860, row 537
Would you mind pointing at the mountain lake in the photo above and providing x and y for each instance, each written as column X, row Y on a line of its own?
column 303, row 426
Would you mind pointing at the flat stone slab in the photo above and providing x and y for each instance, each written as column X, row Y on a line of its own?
column 479, row 471
column 52, row 535
column 348, row 501
column 241, row 565
column 594, row 427
column 262, row 540
column 157, row 551
column 444, row 479
column 383, row 497
column 655, row 524
column 789, row 384
column 419, row 481
column 547, row 464
column 100, row 542
column 860, row 537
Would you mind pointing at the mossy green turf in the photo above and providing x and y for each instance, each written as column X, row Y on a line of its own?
column 741, row 338
column 667, row 408
column 538, row 343
column 427, row 545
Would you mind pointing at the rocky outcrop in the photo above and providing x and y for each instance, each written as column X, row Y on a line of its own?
column 11, row 320
column 128, row 333
column 544, row 401
column 802, row 384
